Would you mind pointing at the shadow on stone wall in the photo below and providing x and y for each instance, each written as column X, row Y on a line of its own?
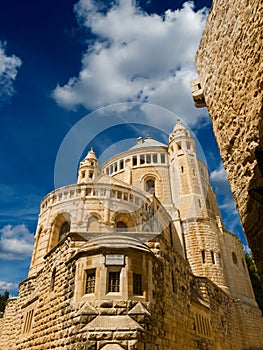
column 253, row 221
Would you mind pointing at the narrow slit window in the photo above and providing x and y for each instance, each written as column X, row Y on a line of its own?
column 154, row 158
column 53, row 279
column 203, row 256
column 121, row 164
column 174, row 284
column 134, row 160
column 212, row 257
column 148, row 158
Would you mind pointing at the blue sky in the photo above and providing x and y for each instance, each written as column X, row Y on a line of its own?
column 61, row 60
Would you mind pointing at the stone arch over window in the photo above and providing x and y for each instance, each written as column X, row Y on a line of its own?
column 93, row 223
column 60, row 227
column 150, row 183
column 124, row 222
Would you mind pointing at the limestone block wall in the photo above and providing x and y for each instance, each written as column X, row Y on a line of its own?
column 230, row 67
column 236, row 268
column 204, row 251
column 77, row 204
column 179, row 310
column 8, row 329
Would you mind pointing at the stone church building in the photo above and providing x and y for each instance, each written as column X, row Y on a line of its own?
column 135, row 256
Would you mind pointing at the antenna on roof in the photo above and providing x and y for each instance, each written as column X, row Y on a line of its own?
column 148, row 134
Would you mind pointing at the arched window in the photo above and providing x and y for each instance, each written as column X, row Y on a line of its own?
column 150, row 186
column 121, row 226
column 64, row 229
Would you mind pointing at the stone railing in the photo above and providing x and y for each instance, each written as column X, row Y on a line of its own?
column 100, row 191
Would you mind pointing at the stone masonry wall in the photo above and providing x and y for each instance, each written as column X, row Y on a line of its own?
column 7, row 325
column 229, row 63
column 166, row 321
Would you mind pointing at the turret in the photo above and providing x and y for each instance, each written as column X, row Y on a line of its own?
column 88, row 168
column 191, row 192
column 184, row 172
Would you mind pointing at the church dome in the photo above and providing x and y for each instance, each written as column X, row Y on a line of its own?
column 147, row 143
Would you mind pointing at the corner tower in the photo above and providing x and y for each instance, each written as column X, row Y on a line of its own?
column 193, row 196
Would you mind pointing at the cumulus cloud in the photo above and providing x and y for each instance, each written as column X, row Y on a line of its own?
column 219, row 179
column 8, row 72
column 136, row 57
column 16, row 242
column 7, row 286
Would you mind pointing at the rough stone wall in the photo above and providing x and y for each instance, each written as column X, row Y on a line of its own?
column 229, row 63
column 170, row 317
column 7, row 325
column 202, row 240
column 235, row 268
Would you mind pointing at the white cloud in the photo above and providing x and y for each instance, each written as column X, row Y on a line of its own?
column 136, row 57
column 16, row 242
column 7, row 286
column 219, row 180
column 8, row 72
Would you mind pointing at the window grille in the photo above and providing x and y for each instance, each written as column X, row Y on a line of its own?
column 90, row 281
column 114, row 281
column 28, row 322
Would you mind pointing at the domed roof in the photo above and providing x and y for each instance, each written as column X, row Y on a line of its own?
column 148, row 142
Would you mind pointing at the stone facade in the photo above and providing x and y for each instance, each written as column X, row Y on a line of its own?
column 229, row 63
column 135, row 257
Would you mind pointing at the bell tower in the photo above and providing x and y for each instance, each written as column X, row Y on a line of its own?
column 191, row 194
column 88, row 168
column 187, row 192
